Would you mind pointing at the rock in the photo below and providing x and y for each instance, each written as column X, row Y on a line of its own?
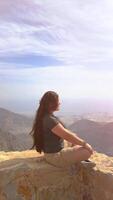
column 26, row 176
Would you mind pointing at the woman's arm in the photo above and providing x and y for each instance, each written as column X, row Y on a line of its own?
column 67, row 135
column 70, row 136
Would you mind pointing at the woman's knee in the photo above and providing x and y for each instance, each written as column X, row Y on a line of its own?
column 81, row 153
column 87, row 154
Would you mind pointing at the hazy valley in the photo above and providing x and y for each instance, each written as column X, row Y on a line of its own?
column 97, row 129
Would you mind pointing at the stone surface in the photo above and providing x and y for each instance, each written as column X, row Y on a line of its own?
column 26, row 176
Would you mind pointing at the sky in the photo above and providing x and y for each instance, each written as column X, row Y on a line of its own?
column 65, row 46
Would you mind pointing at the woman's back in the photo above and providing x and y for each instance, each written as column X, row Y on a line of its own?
column 52, row 142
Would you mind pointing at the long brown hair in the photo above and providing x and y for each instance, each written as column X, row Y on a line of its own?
column 47, row 104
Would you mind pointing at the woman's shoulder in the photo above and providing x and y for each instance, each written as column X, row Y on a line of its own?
column 50, row 121
column 58, row 118
column 50, row 117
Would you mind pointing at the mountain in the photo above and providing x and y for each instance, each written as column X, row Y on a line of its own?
column 99, row 117
column 13, row 122
column 15, row 128
column 68, row 120
column 14, row 131
column 99, row 135
column 6, row 141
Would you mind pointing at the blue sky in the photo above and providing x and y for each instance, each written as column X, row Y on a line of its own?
column 66, row 46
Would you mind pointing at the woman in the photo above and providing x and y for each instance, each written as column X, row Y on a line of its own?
column 48, row 134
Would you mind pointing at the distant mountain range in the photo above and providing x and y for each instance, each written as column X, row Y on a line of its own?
column 99, row 135
column 97, row 117
column 15, row 128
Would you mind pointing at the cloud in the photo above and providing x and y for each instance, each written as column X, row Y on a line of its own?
column 76, row 32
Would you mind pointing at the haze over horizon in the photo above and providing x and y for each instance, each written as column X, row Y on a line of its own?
column 67, row 108
column 65, row 46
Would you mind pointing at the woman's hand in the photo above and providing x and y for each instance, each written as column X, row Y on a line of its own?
column 89, row 148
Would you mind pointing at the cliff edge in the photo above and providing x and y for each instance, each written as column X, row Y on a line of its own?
column 26, row 176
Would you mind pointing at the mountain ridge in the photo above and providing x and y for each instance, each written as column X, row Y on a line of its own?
column 17, row 127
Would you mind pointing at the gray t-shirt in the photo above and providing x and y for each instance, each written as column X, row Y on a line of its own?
column 52, row 142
